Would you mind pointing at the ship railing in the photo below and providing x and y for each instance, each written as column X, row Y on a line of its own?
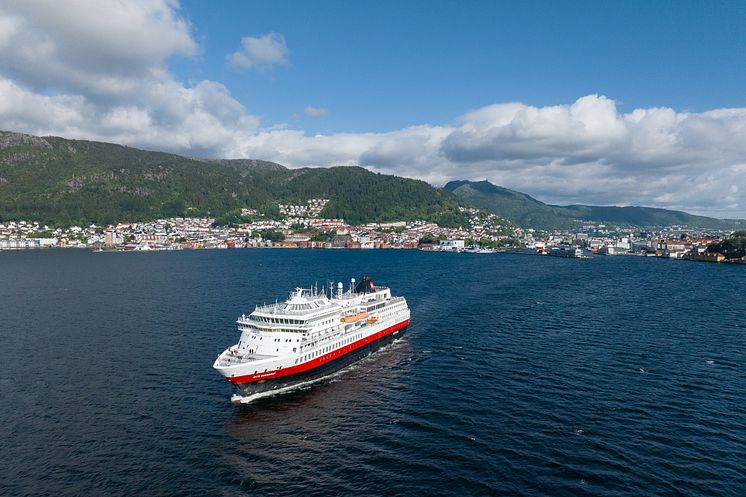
column 228, row 359
column 273, row 309
column 262, row 326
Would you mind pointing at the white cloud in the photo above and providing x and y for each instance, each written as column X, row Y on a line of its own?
column 96, row 69
column 8, row 30
column 101, row 47
column 260, row 52
column 584, row 152
column 312, row 111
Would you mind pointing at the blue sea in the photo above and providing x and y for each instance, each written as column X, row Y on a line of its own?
column 519, row 375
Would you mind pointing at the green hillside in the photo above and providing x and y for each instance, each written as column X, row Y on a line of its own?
column 732, row 247
column 528, row 212
column 59, row 181
column 54, row 180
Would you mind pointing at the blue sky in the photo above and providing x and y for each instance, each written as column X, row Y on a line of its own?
column 623, row 103
column 384, row 65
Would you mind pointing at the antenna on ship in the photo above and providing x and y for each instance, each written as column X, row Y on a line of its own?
column 352, row 285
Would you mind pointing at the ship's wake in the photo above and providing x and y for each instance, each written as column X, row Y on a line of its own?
column 237, row 399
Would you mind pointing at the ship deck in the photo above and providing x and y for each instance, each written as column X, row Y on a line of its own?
column 228, row 359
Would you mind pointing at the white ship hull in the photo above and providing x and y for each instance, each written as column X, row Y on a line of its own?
column 309, row 337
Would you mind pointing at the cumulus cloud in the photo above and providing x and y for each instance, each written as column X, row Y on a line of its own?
column 583, row 152
column 102, row 47
column 260, row 52
column 96, row 69
column 588, row 151
column 312, row 111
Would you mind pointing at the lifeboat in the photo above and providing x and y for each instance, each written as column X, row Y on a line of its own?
column 354, row 317
column 372, row 320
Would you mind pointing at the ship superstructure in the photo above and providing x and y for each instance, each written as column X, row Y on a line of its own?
column 311, row 335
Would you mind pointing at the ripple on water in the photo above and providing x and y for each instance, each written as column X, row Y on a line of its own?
column 537, row 376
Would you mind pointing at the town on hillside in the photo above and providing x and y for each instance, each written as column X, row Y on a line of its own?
column 301, row 226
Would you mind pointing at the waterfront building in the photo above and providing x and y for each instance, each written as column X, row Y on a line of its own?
column 452, row 245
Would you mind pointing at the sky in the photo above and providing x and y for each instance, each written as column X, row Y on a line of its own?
column 612, row 103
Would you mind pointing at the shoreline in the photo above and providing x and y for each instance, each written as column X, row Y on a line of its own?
column 514, row 251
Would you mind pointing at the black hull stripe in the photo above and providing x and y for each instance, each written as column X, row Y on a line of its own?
column 319, row 372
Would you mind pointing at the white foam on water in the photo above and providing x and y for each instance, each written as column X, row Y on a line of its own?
column 710, row 362
column 247, row 399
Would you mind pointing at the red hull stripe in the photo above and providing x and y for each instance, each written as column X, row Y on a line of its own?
column 317, row 361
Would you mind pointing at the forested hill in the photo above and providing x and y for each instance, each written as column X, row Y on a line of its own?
column 528, row 212
column 60, row 181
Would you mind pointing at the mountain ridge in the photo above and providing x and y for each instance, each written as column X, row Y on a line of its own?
column 61, row 181
column 527, row 211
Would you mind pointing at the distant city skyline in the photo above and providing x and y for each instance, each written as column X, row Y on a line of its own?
column 634, row 103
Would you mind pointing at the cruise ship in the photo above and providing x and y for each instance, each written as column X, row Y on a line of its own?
column 309, row 336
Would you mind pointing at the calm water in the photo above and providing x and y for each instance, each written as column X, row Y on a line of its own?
column 521, row 376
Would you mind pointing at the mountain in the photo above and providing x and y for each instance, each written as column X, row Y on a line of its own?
column 59, row 181
column 249, row 164
column 526, row 211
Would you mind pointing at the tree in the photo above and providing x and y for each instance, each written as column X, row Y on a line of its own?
column 733, row 247
column 271, row 235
